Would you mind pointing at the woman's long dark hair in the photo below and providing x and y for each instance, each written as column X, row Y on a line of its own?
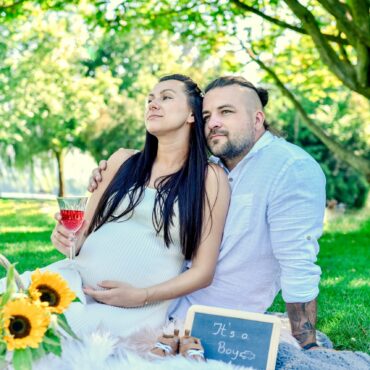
column 187, row 185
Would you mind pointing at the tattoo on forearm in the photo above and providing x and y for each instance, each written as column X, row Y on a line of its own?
column 302, row 317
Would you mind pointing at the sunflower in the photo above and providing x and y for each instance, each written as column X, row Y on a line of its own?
column 49, row 287
column 24, row 324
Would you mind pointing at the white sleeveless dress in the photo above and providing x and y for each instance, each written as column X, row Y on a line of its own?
column 128, row 251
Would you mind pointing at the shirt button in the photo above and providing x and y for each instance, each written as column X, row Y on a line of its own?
column 230, row 179
column 308, row 237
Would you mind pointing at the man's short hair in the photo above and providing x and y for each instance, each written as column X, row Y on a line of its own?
column 241, row 81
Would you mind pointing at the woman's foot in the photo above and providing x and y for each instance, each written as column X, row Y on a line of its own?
column 190, row 347
column 166, row 345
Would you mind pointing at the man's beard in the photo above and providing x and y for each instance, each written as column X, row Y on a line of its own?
column 233, row 149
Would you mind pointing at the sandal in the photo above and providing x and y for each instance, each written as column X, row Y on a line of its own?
column 166, row 345
column 191, row 348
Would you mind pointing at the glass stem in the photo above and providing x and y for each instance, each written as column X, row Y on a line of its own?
column 72, row 250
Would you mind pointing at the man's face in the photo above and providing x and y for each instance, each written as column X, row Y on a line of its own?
column 232, row 122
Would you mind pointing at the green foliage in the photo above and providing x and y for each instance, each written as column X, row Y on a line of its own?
column 274, row 31
column 52, row 343
column 76, row 73
column 62, row 322
column 22, row 359
column 15, row 9
column 49, row 102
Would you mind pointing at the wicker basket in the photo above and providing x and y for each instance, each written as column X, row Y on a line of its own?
column 5, row 263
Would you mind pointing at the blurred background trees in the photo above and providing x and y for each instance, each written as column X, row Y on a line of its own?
column 75, row 74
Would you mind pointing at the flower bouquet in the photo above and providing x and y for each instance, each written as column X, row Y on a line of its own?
column 32, row 321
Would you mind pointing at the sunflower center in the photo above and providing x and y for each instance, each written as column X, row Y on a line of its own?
column 19, row 327
column 49, row 295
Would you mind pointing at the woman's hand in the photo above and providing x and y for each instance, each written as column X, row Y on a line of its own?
column 62, row 238
column 119, row 294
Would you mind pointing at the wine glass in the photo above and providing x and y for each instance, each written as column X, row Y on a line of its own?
column 72, row 210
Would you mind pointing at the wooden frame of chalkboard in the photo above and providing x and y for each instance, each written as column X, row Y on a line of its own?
column 238, row 337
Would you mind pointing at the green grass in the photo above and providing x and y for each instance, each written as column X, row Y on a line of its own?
column 25, row 228
column 344, row 301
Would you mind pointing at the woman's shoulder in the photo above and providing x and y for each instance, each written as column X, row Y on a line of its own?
column 120, row 156
column 216, row 180
column 216, row 173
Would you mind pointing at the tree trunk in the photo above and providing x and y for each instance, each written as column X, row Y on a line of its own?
column 60, row 159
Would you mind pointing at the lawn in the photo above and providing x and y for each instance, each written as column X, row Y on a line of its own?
column 344, row 301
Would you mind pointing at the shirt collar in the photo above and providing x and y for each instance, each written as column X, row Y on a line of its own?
column 263, row 141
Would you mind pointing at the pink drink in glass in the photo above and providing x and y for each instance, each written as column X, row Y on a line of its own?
column 72, row 210
column 71, row 219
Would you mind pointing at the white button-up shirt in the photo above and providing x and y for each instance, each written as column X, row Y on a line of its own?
column 272, row 227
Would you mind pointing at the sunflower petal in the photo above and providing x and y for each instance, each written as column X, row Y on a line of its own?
column 24, row 324
column 49, row 287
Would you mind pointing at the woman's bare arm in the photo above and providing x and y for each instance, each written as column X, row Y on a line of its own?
column 61, row 237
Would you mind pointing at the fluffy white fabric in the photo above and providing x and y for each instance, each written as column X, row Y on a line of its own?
column 102, row 351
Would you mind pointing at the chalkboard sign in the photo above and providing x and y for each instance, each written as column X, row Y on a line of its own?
column 238, row 337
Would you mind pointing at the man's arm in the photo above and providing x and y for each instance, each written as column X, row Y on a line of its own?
column 302, row 317
column 295, row 215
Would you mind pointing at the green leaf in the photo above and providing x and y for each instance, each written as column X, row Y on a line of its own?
column 5, row 298
column 2, row 354
column 22, row 359
column 10, row 285
column 10, row 277
column 51, row 338
column 38, row 353
column 63, row 323
column 51, row 343
column 56, row 350
column 2, row 349
column 77, row 300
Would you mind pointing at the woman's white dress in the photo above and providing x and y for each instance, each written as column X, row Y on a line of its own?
column 128, row 251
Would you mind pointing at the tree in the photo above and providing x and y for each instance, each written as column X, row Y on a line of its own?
column 48, row 102
column 65, row 85
column 138, row 58
column 339, row 32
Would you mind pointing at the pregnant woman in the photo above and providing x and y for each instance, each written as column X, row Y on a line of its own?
column 155, row 209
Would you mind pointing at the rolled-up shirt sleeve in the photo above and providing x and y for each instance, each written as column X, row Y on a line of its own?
column 295, row 216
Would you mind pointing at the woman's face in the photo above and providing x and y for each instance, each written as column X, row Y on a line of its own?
column 167, row 109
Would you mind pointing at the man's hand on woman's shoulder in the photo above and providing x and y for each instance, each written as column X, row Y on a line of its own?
column 96, row 177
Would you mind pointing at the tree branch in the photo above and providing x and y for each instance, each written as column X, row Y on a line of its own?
column 345, row 21
column 360, row 13
column 241, row 5
column 344, row 54
column 344, row 71
column 360, row 164
column 4, row 7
